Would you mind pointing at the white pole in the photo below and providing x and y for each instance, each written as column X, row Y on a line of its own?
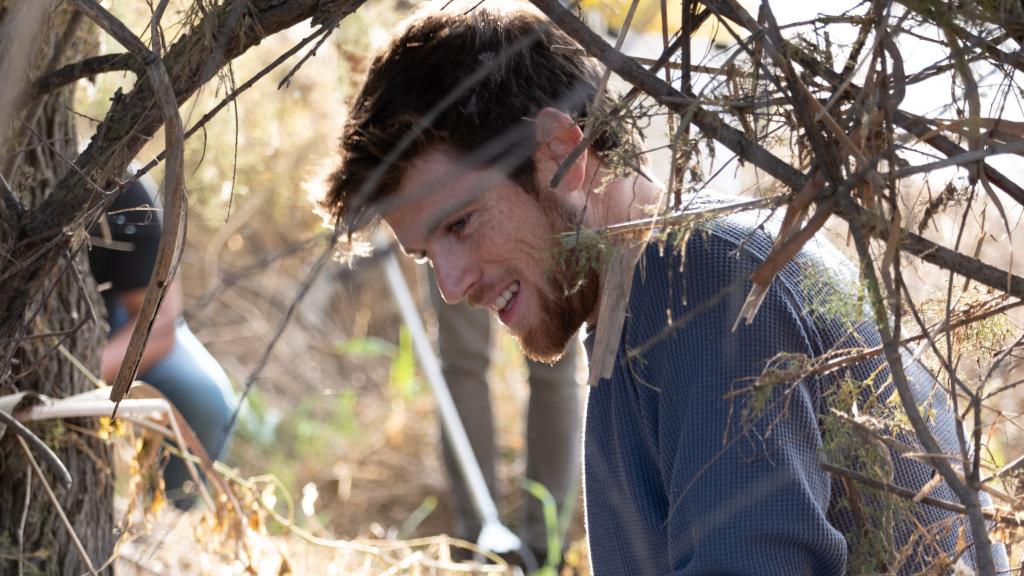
column 494, row 536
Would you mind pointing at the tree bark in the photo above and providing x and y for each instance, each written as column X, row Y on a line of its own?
column 33, row 538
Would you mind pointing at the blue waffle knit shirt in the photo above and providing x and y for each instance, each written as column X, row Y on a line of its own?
column 682, row 479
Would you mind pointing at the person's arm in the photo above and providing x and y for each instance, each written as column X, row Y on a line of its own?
column 746, row 496
column 161, row 338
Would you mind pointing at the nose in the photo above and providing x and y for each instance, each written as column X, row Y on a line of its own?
column 455, row 273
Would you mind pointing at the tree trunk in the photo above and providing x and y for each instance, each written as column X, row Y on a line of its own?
column 33, row 538
column 45, row 289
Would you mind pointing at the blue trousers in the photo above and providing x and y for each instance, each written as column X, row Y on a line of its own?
column 198, row 387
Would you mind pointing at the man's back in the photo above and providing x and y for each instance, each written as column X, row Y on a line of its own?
column 698, row 460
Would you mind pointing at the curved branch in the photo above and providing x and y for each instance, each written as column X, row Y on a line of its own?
column 173, row 235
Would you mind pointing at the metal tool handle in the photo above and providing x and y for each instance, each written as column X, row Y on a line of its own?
column 494, row 536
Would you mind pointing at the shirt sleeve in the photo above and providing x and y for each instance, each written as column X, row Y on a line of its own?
column 746, row 495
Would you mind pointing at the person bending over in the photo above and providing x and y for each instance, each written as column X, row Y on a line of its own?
column 461, row 123
column 174, row 361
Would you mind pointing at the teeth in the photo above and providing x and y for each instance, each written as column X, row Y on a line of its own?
column 505, row 297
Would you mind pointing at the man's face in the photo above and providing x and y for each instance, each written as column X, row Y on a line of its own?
column 493, row 245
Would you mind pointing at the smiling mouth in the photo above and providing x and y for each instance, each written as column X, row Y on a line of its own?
column 504, row 302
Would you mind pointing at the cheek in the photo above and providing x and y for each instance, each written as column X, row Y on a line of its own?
column 519, row 233
column 526, row 247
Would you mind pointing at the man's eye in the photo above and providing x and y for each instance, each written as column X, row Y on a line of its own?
column 459, row 226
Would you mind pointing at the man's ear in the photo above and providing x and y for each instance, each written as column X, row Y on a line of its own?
column 557, row 136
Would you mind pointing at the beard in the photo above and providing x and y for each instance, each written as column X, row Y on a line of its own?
column 570, row 294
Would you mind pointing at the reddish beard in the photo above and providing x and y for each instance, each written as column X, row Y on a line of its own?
column 570, row 294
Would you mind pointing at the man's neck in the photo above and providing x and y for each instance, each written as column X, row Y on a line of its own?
column 611, row 201
column 614, row 200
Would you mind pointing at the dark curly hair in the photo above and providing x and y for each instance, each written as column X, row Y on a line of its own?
column 470, row 82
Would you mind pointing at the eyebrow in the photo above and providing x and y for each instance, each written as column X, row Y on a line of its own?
column 439, row 219
column 435, row 223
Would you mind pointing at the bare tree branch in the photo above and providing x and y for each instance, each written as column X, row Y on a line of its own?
column 1007, row 519
column 73, row 72
column 325, row 257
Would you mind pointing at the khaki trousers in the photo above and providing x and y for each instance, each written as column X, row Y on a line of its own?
column 552, row 420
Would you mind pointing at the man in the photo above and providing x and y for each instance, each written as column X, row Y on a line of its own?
column 174, row 361
column 698, row 460
column 552, row 422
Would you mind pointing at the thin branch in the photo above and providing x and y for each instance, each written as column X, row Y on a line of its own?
column 995, row 516
column 11, row 206
column 325, row 31
column 677, row 218
column 231, row 97
column 967, row 494
column 654, row 65
column 926, row 334
column 932, row 253
column 1001, row 357
column 596, row 109
column 970, row 157
column 24, row 521
column 303, row 289
column 870, row 432
column 232, row 278
column 961, row 323
column 1009, row 468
